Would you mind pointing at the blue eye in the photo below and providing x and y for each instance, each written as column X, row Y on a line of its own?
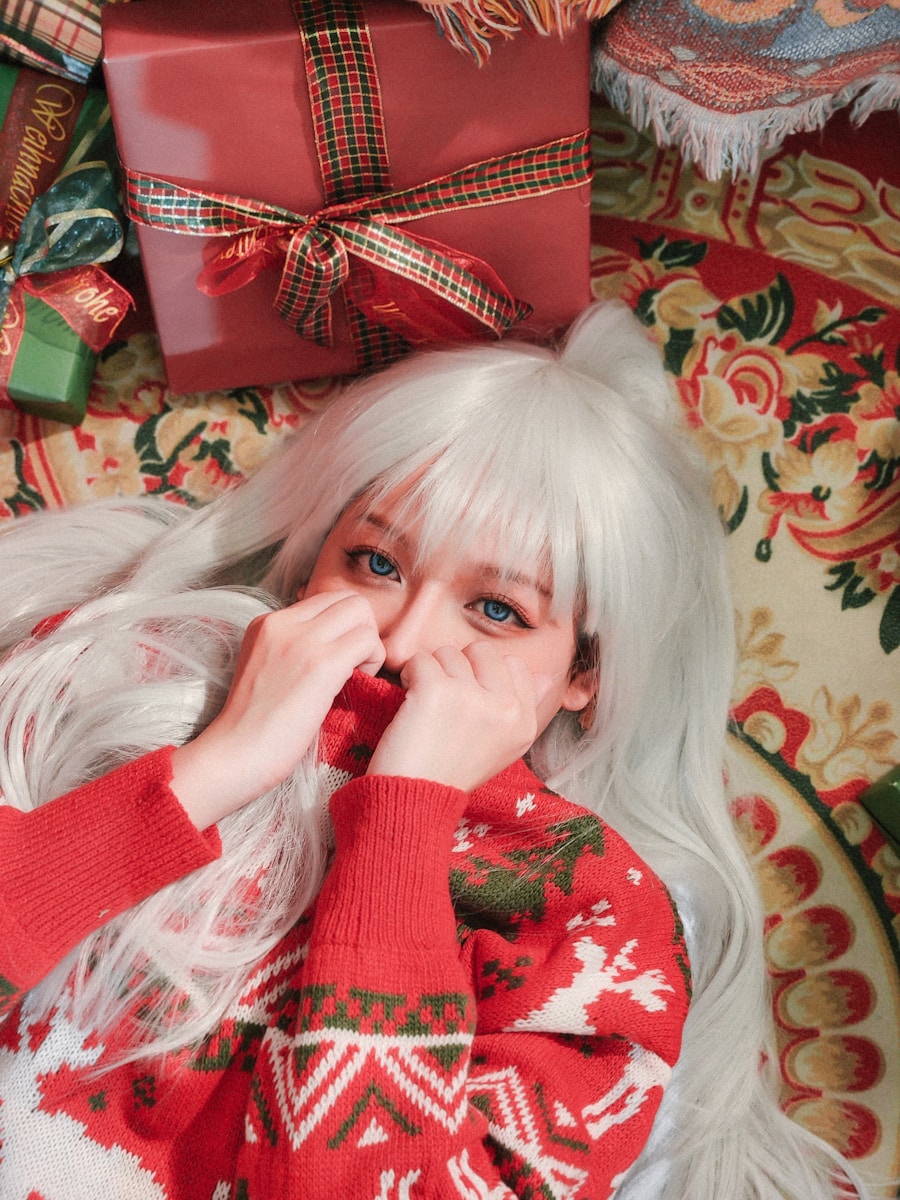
column 379, row 565
column 496, row 610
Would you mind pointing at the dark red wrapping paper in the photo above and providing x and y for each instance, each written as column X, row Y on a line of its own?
column 213, row 96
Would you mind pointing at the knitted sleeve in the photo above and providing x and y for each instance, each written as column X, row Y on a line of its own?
column 501, row 1029
column 76, row 862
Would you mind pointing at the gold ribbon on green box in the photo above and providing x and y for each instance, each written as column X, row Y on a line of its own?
column 58, row 307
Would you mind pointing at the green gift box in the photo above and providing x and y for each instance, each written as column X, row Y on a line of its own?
column 59, row 219
column 882, row 802
column 53, row 368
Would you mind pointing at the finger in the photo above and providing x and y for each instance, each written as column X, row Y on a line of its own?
column 499, row 671
column 489, row 665
column 319, row 602
column 358, row 652
column 351, row 632
column 420, row 670
column 374, row 660
column 454, row 662
column 335, row 613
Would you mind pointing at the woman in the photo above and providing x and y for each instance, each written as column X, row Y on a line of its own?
column 478, row 988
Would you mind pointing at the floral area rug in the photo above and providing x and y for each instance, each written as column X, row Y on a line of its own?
column 774, row 297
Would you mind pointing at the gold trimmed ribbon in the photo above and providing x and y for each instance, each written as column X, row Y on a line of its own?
column 58, row 222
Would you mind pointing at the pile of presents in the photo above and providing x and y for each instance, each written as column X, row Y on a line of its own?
column 312, row 187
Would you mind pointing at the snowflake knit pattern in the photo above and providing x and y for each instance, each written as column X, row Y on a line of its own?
column 482, row 1008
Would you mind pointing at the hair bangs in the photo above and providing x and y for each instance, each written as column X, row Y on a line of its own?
column 492, row 489
column 509, row 450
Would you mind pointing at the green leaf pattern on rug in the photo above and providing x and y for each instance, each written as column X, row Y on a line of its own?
column 808, row 424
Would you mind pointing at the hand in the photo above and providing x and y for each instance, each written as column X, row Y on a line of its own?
column 292, row 663
column 467, row 715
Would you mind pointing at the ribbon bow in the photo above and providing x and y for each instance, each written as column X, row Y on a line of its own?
column 67, row 232
column 399, row 288
column 434, row 290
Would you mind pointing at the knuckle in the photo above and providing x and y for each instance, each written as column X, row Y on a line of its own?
column 263, row 628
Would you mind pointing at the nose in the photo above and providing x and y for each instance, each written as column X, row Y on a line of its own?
column 417, row 624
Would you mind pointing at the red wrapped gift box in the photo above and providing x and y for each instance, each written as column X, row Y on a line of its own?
column 213, row 96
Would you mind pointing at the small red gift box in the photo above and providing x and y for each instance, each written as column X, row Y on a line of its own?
column 230, row 174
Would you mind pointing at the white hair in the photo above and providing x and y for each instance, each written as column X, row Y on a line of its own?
column 573, row 459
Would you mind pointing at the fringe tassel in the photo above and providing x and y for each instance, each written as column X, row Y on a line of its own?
column 720, row 142
column 881, row 92
column 470, row 25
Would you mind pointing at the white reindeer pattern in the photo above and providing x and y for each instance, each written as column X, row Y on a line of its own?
column 566, row 1010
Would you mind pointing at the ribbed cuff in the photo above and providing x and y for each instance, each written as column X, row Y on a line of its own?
column 96, row 851
column 389, row 883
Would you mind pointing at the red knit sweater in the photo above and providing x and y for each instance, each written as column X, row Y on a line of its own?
column 480, row 1008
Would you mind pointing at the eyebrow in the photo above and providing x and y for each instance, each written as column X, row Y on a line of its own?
column 494, row 572
column 490, row 570
column 385, row 526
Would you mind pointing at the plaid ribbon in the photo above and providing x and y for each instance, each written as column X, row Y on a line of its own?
column 316, row 249
column 353, row 241
column 345, row 98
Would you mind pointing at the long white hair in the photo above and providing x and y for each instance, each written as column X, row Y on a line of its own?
column 574, row 458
